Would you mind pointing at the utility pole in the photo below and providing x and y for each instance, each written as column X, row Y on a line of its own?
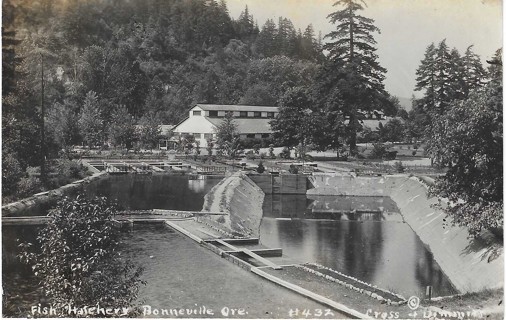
column 42, row 130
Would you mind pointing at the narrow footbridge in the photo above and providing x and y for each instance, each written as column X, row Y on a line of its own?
column 134, row 216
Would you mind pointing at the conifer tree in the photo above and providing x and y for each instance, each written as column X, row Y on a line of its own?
column 266, row 44
column 475, row 74
column 352, row 81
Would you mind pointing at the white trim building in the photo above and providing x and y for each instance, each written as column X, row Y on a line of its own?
column 252, row 121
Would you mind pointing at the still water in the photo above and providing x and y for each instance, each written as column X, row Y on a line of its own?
column 156, row 191
column 334, row 231
column 134, row 192
column 377, row 248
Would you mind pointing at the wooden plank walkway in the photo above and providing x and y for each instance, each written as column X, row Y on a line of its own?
column 250, row 253
column 141, row 216
column 34, row 220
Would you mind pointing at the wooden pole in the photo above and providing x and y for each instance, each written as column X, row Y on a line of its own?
column 42, row 130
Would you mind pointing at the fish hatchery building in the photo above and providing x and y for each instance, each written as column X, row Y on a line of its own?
column 252, row 121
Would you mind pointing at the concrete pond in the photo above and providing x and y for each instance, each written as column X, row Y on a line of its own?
column 375, row 234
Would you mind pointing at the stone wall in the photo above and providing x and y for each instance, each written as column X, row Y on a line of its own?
column 471, row 265
column 39, row 203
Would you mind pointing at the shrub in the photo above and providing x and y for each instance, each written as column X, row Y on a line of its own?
column 285, row 153
column 271, row 151
column 28, row 186
column 11, row 173
column 413, row 153
column 399, row 167
column 33, row 171
column 378, row 151
column 70, row 169
column 390, row 155
column 260, row 168
column 293, row 169
column 78, row 262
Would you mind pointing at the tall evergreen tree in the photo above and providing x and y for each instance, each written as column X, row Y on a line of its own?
column 475, row 73
column 352, row 78
column 266, row 42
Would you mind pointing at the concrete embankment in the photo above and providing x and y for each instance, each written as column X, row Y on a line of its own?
column 471, row 265
column 39, row 203
column 239, row 197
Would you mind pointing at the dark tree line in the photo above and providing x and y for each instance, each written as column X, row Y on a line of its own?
column 111, row 65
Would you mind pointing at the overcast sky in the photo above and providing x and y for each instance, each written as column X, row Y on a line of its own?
column 407, row 28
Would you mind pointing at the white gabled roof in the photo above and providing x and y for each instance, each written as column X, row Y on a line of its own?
column 235, row 107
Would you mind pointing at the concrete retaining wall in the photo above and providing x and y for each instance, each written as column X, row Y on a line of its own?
column 242, row 199
column 471, row 265
column 39, row 203
column 282, row 184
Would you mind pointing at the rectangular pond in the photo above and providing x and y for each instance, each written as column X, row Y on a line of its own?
column 364, row 237
column 348, row 234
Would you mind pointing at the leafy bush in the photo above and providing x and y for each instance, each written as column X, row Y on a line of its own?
column 293, row 169
column 28, row 186
column 11, row 173
column 378, row 151
column 260, row 168
column 399, row 167
column 78, row 263
column 285, row 153
column 413, row 153
column 390, row 155
column 271, row 151
column 70, row 169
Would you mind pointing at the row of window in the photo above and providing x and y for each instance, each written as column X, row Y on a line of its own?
column 208, row 136
column 242, row 114
column 252, row 136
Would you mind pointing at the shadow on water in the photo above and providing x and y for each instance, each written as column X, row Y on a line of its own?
column 377, row 248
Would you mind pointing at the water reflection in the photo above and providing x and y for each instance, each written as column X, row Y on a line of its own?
column 382, row 251
column 139, row 192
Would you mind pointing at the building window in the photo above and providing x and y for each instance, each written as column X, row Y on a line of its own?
column 243, row 114
column 270, row 114
column 265, row 135
column 208, row 136
column 257, row 114
column 213, row 113
column 197, row 135
column 250, row 136
column 197, row 113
